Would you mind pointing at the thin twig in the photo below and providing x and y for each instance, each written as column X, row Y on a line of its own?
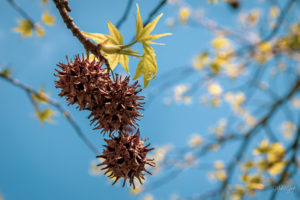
column 154, row 11
column 252, row 131
column 56, row 104
column 21, row 12
column 64, row 9
column 125, row 15
column 294, row 146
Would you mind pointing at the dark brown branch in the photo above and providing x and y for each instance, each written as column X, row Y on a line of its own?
column 63, row 10
column 57, row 105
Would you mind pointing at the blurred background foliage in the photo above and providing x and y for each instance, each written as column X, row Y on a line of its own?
column 222, row 113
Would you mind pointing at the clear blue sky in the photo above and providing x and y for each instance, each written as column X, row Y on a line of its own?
column 50, row 162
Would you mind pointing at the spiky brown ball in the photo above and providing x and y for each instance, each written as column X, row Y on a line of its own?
column 120, row 106
column 80, row 81
column 125, row 157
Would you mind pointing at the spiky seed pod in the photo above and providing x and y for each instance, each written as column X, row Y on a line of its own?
column 120, row 107
column 79, row 81
column 125, row 157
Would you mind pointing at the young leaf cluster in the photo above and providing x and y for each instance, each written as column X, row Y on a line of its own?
column 113, row 48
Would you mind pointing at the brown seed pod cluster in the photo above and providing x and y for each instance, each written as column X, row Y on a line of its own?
column 120, row 106
column 125, row 157
column 80, row 80
column 114, row 107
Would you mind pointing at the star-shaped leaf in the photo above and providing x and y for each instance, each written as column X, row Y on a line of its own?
column 48, row 19
column 112, row 47
column 45, row 115
column 25, row 28
column 143, row 33
column 42, row 97
column 97, row 37
column 147, row 65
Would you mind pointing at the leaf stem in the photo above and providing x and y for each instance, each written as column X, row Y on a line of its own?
column 128, row 45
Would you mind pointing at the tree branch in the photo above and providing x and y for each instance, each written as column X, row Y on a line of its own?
column 21, row 12
column 125, row 15
column 56, row 104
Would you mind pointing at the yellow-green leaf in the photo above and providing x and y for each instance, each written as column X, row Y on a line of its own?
column 116, row 36
column 5, row 72
column 97, row 37
column 39, row 31
column 149, row 28
column 130, row 52
column 48, row 19
column 41, row 97
column 124, row 60
column 44, row 2
column 143, row 33
column 139, row 23
column 154, row 37
column 147, row 66
column 25, row 28
column 45, row 115
column 113, row 60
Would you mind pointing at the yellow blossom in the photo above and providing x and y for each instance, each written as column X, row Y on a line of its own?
column 277, row 168
column 220, row 42
column 263, row 148
column 215, row 101
column 215, row 89
column 48, row 19
column 39, row 31
column 253, row 17
column 219, row 164
column 265, row 46
column 233, row 71
column 25, row 28
column 195, row 141
column 219, row 175
column 220, row 127
column 138, row 189
column 276, row 152
column 201, row 60
column 179, row 91
column 184, row 14
column 274, row 11
column 247, row 165
column 238, row 193
column 148, row 197
column 45, row 115
column 296, row 102
column 287, row 129
column 189, row 159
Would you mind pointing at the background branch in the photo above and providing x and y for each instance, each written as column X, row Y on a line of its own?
column 30, row 91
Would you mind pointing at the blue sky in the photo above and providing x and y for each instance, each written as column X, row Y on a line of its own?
column 50, row 161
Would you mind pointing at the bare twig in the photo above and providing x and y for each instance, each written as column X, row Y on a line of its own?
column 251, row 132
column 64, row 9
column 154, row 11
column 88, row 44
column 294, row 146
column 21, row 12
column 56, row 104
column 125, row 15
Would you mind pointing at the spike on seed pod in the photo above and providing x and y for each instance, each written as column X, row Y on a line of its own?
column 125, row 157
column 79, row 81
column 119, row 107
